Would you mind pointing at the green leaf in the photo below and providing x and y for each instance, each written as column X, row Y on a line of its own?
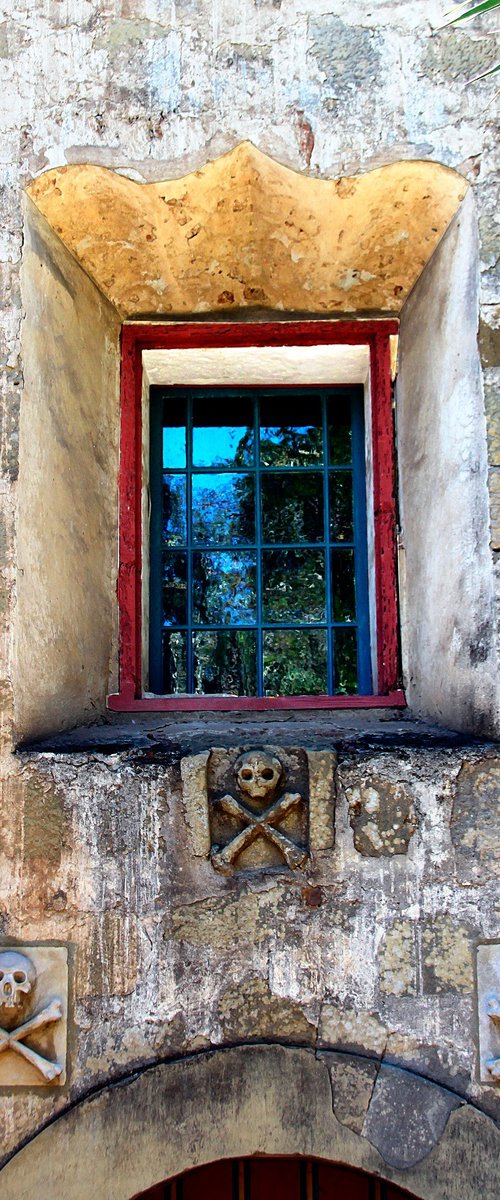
column 475, row 11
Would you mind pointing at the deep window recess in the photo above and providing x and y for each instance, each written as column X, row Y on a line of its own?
column 258, row 554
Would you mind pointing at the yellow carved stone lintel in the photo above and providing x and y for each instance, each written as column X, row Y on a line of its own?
column 247, row 233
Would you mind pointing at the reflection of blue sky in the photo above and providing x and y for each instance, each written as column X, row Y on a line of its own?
column 219, row 446
column 223, row 508
column 174, row 447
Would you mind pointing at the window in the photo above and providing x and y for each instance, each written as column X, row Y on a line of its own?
column 257, row 516
column 258, row 578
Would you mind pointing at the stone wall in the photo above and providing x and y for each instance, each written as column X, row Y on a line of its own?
column 370, row 950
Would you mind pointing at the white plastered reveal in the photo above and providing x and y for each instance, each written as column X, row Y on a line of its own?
column 257, row 365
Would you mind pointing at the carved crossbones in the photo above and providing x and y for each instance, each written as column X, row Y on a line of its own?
column 259, row 825
column 13, row 1040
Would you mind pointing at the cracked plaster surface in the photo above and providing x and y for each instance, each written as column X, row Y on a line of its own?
column 361, row 955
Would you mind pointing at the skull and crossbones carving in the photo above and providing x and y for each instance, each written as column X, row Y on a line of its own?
column 17, row 983
column 493, row 1010
column 258, row 775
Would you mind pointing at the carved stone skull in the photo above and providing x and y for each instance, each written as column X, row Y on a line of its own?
column 17, row 980
column 258, row 775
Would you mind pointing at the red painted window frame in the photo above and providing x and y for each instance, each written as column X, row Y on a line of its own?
column 141, row 336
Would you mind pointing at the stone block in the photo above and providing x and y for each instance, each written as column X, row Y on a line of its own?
column 352, row 1081
column 407, row 1116
column 250, row 1010
column 33, row 1016
column 322, row 764
column 398, row 960
column 382, row 817
column 447, row 963
column 258, row 808
column 488, row 998
column 475, row 821
column 195, row 802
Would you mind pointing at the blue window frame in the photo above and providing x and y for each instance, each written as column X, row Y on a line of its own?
column 258, row 547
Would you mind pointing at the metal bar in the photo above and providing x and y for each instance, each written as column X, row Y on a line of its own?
column 258, row 538
column 267, row 625
column 328, row 558
column 227, row 548
column 156, row 674
column 360, row 551
column 189, row 531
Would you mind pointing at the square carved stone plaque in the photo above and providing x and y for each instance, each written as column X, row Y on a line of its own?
column 33, row 1015
column 488, row 991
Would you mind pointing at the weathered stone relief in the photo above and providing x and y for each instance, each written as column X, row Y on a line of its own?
column 382, row 816
column 248, row 809
column 488, row 990
column 259, row 822
column 33, row 1016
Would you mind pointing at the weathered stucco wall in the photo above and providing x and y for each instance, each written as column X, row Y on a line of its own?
column 371, row 951
column 447, row 585
column 65, row 626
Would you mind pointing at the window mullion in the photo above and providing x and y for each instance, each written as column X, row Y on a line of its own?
column 258, row 538
column 328, row 565
column 189, row 542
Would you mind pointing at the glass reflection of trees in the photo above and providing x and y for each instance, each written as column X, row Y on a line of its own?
column 252, row 560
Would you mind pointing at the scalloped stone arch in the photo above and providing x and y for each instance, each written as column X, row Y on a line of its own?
column 245, row 232
column 261, row 1100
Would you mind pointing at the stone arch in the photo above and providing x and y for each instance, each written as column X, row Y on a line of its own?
column 244, row 233
column 261, row 1100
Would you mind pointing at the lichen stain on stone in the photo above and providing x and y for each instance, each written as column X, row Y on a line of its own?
column 121, row 33
column 351, row 1029
column 447, row 963
column 352, row 1088
column 249, row 1009
column 455, row 55
column 348, row 55
column 397, row 960
column 43, row 821
column 382, row 816
column 475, row 821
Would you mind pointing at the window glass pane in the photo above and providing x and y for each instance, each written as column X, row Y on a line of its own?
column 223, row 509
column 345, row 660
column 295, row 662
column 339, row 431
column 341, row 525
column 217, row 440
column 174, row 510
column 174, row 434
column 293, row 586
column 225, row 662
column 291, row 431
column 343, row 590
column 174, row 589
column 292, row 507
column 224, row 589
column 174, row 663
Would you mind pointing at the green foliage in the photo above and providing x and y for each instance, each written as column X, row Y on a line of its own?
column 474, row 10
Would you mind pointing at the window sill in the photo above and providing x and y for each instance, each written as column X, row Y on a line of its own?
column 126, row 702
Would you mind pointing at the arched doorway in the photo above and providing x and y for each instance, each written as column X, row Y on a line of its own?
column 273, row 1179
